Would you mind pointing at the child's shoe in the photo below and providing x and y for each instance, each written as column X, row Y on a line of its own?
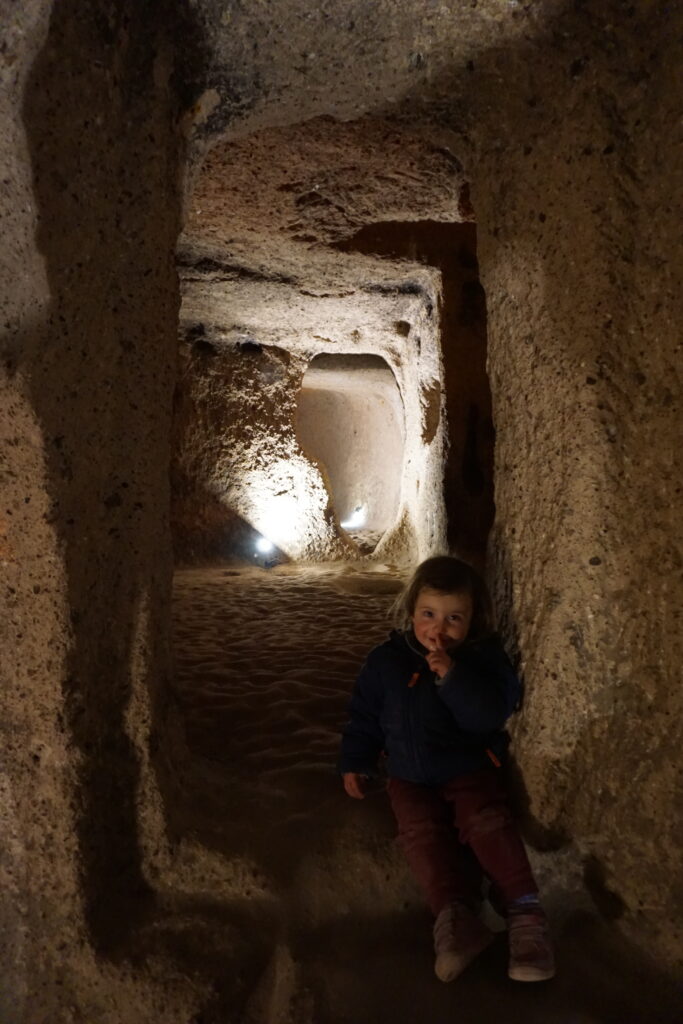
column 531, row 949
column 459, row 936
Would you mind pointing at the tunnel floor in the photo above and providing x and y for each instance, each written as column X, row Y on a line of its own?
column 309, row 914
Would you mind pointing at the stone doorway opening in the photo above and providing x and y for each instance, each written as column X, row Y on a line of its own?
column 350, row 421
column 335, row 245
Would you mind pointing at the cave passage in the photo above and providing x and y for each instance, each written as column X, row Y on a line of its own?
column 334, row 398
column 175, row 846
column 350, row 420
column 321, row 906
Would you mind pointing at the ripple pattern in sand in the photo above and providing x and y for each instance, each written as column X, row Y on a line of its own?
column 265, row 662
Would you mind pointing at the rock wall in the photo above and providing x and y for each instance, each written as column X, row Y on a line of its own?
column 577, row 204
column 239, row 472
column 468, row 469
column 566, row 120
column 89, row 313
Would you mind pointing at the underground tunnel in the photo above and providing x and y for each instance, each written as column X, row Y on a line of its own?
column 268, row 273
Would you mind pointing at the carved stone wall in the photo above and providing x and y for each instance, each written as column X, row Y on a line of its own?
column 91, row 213
column 565, row 120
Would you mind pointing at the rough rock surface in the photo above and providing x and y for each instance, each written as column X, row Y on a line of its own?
column 257, row 269
column 566, row 119
column 468, row 471
column 240, row 474
column 89, row 312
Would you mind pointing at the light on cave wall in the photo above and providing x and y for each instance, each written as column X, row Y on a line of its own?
column 355, row 520
column 282, row 502
column 264, row 545
column 277, row 518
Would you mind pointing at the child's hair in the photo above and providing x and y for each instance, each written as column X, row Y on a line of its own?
column 448, row 575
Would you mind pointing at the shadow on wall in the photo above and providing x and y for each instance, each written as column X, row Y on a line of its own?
column 205, row 531
column 100, row 118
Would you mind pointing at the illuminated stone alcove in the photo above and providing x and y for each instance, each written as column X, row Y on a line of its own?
column 350, row 419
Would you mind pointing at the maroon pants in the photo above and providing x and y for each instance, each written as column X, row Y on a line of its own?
column 476, row 806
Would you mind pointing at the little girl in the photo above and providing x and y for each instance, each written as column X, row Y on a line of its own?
column 435, row 698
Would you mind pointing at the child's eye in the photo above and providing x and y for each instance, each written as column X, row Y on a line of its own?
column 427, row 614
column 455, row 618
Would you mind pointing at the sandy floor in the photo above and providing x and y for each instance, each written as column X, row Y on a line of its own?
column 310, row 917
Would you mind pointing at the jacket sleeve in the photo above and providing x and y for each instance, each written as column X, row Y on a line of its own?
column 362, row 736
column 481, row 689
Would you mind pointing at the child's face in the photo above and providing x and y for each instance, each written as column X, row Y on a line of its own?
column 441, row 620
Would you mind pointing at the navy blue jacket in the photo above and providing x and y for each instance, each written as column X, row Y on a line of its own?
column 430, row 733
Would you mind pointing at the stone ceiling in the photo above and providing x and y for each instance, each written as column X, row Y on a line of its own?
column 262, row 64
column 258, row 257
column 334, row 121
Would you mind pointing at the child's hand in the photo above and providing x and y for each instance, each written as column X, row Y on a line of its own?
column 439, row 660
column 355, row 784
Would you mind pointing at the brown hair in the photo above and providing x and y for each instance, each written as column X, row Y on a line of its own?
column 448, row 575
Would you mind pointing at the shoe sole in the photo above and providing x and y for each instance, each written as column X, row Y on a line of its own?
column 531, row 973
column 450, row 965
